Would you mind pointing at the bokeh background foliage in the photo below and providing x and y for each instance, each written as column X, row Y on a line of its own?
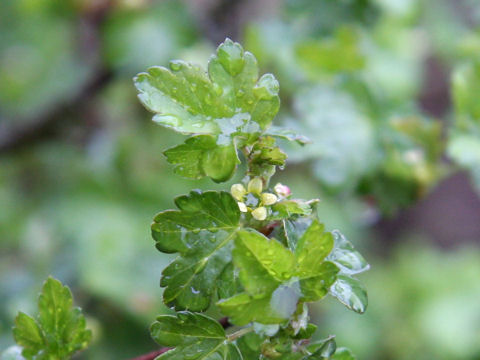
column 387, row 90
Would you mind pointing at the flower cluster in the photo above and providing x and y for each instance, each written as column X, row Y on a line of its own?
column 255, row 201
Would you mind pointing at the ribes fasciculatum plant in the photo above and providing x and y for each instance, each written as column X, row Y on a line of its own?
column 254, row 254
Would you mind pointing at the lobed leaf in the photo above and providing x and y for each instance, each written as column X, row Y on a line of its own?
column 322, row 349
column 59, row 330
column 350, row 292
column 294, row 229
column 194, row 336
column 200, row 156
column 243, row 309
column 28, row 334
column 256, row 279
column 249, row 345
column 228, row 283
column 228, row 102
column 343, row 354
column 316, row 287
column 270, row 254
column 287, row 134
column 275, row 278
column 287, row 208
column 314, row 245
column 201, row 231
column 344, row 255
column 264, row 156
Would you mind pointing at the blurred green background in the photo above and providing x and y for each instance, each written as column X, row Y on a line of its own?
column 387, row 90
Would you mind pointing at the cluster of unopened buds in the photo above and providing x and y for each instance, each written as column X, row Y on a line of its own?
column 254, row 201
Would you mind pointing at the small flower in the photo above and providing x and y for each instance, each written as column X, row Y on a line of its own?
column 242, row 207
column 282, row 190
column 238, row 191
column 260, row 213
column 268, row 199
column 255, row 186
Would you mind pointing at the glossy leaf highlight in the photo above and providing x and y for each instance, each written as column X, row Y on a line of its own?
column 201, row 231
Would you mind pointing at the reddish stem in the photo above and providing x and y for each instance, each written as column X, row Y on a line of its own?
column 267, row 229
column 152, row 355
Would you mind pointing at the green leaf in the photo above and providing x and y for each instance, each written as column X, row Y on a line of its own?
column 299, row 325
column 184, row 328
column 28, row 334
column 229, row 104
column 312, row 248
column 270, row 254
column 315, row 288
column 264, row 156
column 228, row 283
column 242, row 309
column 287, row 208
column 193, row 336
column 249, row 345
column 265, row 267
column 188, row 100
column 200, row 156
column 287, row 134
column 256, row 279
column 344, row 255
column 350, row 292
column 220, row 162
column 306, row 333
column 343, row 354
column 59, row 331
column 271, row 272
column 322, row 349
column 265, row 151
column 201, row 231
column 183, row 99
column 294, row 229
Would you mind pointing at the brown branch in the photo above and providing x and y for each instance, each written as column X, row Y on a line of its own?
column 152, row 355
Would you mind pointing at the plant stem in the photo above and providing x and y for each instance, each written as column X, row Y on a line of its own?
column 239, row 333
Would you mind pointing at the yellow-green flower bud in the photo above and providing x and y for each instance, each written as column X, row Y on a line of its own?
column 268, row 199
column 238, row 191
column 242, row 206
column 255, row 186
column 260, row 213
